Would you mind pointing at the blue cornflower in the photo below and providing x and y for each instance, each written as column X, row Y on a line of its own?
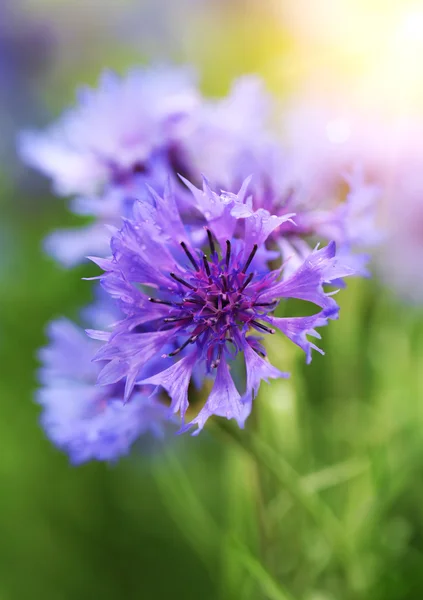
column 351, row 223
column 84, row 420
column 124, row 133
column 196, row 297
column 232, row 138
column 115, row 131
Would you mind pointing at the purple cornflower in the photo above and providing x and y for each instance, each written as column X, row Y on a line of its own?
column 351, row 223
column 84, row 420
column 123, row 134
column 116, row 131
column 231, row 139
column 196, row 298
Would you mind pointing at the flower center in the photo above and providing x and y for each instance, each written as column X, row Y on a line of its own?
column 217, row 301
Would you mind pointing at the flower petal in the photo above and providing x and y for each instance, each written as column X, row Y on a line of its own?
column 306, row 283
column 298, row 328
column 258, row 369
column 259, row 225
column 129, row 355
column 224, row 401
column 175, row 381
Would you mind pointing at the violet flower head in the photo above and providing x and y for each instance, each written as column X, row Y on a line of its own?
column 86, row 421
column 351, row 223
column 233, row 137
column 197, row 297
column 115, row 131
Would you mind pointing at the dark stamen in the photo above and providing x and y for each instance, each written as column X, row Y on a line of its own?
column 211, row 242
column 224, row 282
column 215, row 363
column 174, row 319
column 246, row 282
column 250, row 258
column 157, row 301
column 182, row 281
column 206, row 265
column 228, row 252
column 184, row 345
column 263, row 327
column 190, row 256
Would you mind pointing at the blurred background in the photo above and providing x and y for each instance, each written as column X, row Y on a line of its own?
column 326, row 502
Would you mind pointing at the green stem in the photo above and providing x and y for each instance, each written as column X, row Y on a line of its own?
column 329, row 526
column 204, row 532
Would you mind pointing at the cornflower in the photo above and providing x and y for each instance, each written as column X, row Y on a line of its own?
column 196, row 298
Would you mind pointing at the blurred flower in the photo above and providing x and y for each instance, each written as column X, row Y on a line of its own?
column 232, row 139
column 205, row 306
column 403, row 219
column 115, row 131
column 336, row 164
column 324, row 140
column 164, row 128
column 84, row 420
column 375, row 162
column 120, row 136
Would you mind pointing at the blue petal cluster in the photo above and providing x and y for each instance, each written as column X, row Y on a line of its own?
column 195, row 273
column 197, row 296
column 85, row 420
